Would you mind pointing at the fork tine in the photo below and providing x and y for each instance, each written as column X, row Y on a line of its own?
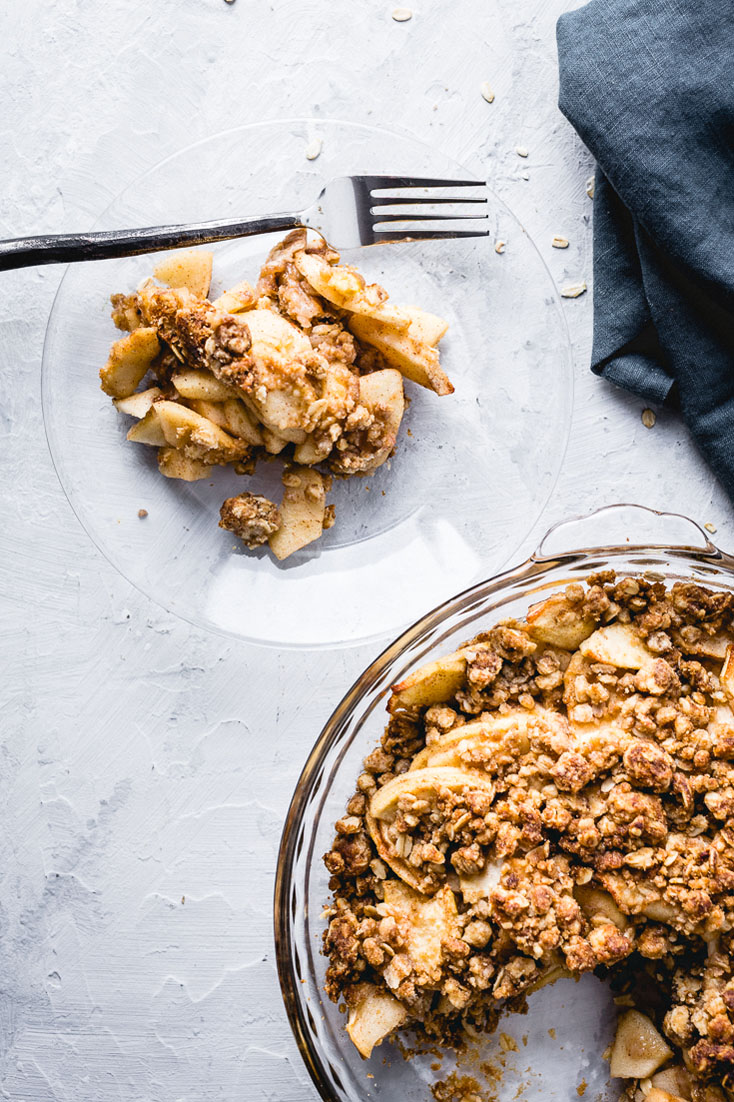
column 426, row 235
column 406, row 217
column 406, row 200
column 382, row 182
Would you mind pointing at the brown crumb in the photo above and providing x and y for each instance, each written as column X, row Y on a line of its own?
column 457, row 1088
column 142, row 513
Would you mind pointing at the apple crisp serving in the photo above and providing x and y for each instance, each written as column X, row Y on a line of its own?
column 308, row 364
column 555, row 797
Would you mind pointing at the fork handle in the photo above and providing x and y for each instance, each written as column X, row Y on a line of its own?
column 64, row 248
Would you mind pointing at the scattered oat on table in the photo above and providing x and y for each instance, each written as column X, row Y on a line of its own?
column 710, row 527
column 500, row 246
column 573, row 290
column 524, row 175
column 648, row 418
column 486, row 90
column 521, row 151
column 313, row 149
column 402, row 15
column 559, row 242
column 590, row 183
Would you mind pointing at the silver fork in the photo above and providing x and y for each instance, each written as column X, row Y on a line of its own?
column 350, row 211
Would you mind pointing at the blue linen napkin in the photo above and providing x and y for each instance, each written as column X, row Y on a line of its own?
column 649, row 86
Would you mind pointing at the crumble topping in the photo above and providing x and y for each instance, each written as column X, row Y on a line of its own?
column 562, row 790
column 251, row 517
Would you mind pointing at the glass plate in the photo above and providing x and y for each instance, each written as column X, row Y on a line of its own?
column 472, row 471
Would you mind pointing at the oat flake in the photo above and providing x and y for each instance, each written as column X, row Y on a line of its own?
column 590, row 184
column 402, row 15
column 559, row 242
column 710, row 527
column 500, row 247
column 573, row 290
column 313, row 149
column 648, row 418
column 521, row 151
column 487, row 92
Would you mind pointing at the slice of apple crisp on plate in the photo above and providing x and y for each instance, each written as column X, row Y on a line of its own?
column 308, row 364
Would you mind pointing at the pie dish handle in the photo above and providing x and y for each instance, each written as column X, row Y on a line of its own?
column 624, row 524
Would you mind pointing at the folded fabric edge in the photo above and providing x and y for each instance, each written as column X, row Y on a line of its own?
column 637, row 373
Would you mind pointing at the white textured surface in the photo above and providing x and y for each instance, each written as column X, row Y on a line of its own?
column 144, row 763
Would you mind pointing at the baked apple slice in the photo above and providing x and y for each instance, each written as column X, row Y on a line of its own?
column 189, row 268
column 616, row 645
column 374, row 1016
column 302, row 511
column 129, row 361
column 434, row 683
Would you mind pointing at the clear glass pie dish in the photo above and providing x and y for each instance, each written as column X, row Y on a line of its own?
column 540, row 1062
column 471, row 474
